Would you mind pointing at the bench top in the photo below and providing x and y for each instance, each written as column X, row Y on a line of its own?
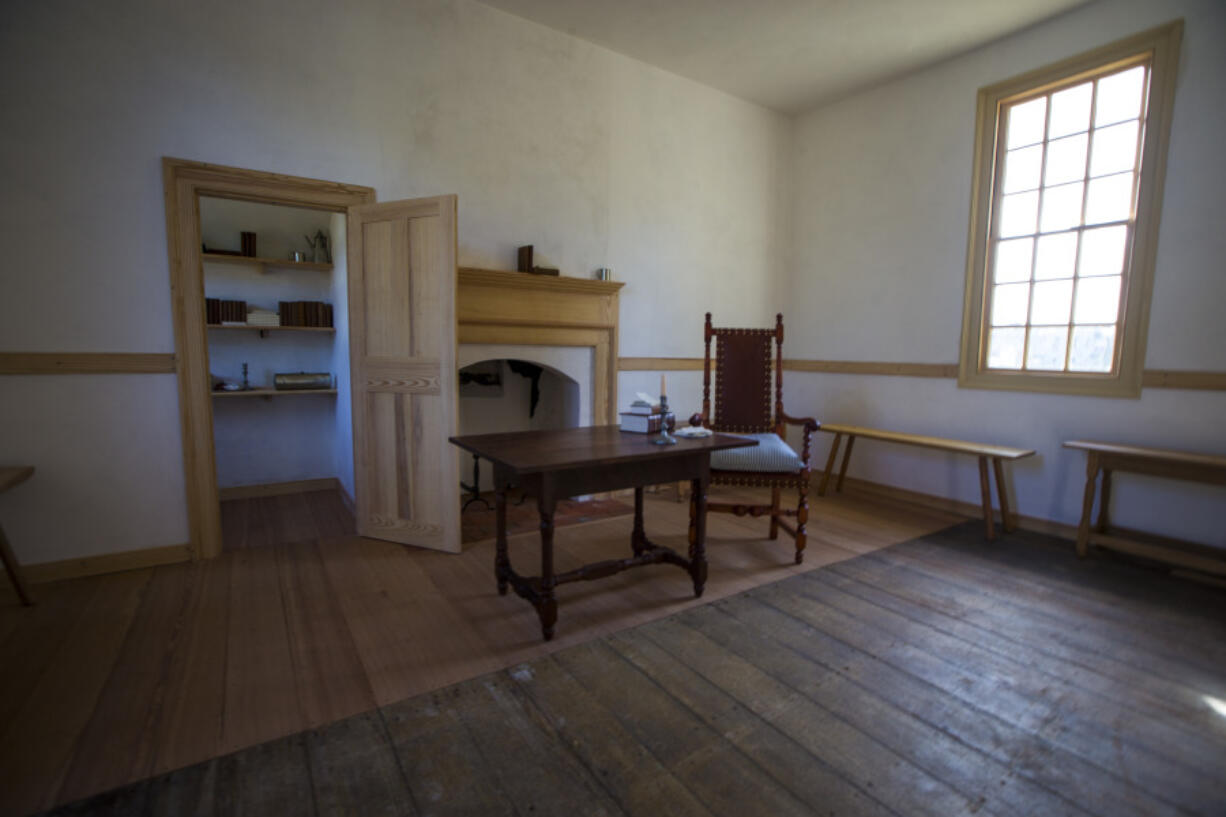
column 1169, row 455
column 1003, row 452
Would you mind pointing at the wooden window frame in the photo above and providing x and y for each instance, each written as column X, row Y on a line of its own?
column 1162, row 46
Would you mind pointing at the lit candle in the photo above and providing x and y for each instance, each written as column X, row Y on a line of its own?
column 662, row 392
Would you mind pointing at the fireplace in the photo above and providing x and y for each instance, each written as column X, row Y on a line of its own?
column 510, row 325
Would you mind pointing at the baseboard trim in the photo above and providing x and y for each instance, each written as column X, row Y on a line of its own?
column 44, row 572
column 1201, row 559
column 279, row 488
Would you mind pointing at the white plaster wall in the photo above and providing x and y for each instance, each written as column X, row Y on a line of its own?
column 595, row 159
column 881, row 203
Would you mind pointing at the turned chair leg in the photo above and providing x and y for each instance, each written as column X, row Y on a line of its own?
column 775, row 504
column 802, row 519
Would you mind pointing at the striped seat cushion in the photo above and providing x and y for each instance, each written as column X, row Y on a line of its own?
column 771, row 454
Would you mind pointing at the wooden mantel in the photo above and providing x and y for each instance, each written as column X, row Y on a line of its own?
column 519, row 308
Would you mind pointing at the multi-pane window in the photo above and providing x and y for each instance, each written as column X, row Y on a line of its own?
column 1065, row 216
column 1069, row 166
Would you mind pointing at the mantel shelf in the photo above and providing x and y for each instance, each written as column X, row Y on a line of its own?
column 265, row 263
column 272, row 392
column 526, row 280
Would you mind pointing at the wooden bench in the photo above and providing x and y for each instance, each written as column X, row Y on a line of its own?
column 1159, row 462
column 984, row 452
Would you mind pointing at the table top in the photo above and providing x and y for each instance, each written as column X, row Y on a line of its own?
column 529, row 452
column 11, row 475
column 1146, row 453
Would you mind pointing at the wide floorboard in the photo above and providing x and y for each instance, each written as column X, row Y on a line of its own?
column 112, row 679
column 939, row 676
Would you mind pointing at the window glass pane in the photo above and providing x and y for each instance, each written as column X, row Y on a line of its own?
column 1017, row 214
column 1070, row 111
column 1098, row 300
column 1056, row 254
column 1022, row 169
column 1093, row 349
column 1005, row 348
column 1066, row 160
column 1052, row 301
column 1026, row 123
column 1115, row 149
column 1119, row 96
column 1046, row 350
column 1102, row 251
column 1009, row 304
column 1013, row 260
column 1109, row 199
column 1061, row 207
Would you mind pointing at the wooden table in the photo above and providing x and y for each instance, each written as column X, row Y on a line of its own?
column 984, row 451
column 554, row 465
column 11, row 476
column 1159, row 462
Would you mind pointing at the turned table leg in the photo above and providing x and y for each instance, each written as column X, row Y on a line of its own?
column 547, row 605
column 638, row 538
column 698, row 545
column 502, row 563
column 1087, row 504
column 985, row 491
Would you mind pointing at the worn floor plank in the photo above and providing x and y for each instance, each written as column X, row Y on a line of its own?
column 882, row 685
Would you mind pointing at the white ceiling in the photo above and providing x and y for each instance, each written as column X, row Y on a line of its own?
column 790, row 55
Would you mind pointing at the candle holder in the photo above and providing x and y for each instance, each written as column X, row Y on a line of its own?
column 668, row 422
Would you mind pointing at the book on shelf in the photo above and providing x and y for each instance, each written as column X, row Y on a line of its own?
column 641, row 423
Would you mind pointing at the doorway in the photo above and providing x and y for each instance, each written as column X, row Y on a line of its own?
column 188, row 184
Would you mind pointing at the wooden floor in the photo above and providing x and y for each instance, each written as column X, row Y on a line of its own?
column 936, row 677
column 116, row 678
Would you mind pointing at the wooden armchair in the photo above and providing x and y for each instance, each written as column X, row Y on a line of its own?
column 743, row 406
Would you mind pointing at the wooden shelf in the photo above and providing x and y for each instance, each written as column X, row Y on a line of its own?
column 263, row 329
column 265, row 263
column 272, row 392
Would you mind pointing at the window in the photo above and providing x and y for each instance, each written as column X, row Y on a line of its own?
column 1069, row 163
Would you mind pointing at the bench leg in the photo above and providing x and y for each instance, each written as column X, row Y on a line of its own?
column 1104, row 501
column 14, row 570
column 1087, row 504
column 834, row 452
column 985, row 490
column 851, row 440
column 1003, row 493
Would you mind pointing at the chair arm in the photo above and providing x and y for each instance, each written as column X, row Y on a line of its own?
column 810, row 425
column 808, row 422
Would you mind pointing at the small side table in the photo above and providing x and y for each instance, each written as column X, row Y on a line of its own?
column 11, row 476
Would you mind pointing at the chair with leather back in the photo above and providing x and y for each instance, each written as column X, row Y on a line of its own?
column 743, row 405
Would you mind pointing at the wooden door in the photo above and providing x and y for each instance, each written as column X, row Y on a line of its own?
column 402, row 274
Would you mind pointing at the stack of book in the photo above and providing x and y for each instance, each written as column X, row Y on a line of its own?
column 219, row 311
column 262, row 317
column 642, row 418
column 305, row 313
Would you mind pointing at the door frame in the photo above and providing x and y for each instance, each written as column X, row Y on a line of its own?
column 184, row 182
